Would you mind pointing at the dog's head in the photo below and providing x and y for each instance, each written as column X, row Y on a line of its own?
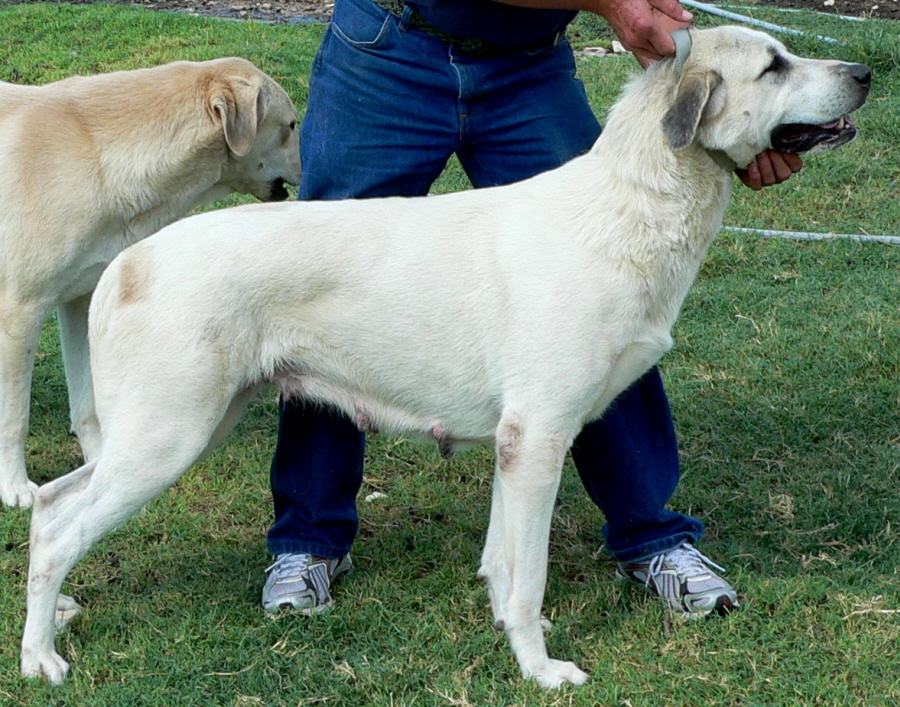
column 259, row 125
column 739, row 91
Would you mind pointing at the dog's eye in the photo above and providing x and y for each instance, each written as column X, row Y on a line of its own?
column 293, row 124
column 778, row 65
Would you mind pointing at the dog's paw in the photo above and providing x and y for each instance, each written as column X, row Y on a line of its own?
column 21, row 495
column 47, row 664
column 553, row 674
column 66, row 610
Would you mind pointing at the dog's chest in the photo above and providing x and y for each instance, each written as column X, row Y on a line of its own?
column 79, row 276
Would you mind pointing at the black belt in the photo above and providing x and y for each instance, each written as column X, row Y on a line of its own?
column 478, row 48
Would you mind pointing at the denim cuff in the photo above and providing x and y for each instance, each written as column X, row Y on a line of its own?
column 326, row 551
column 648, row 550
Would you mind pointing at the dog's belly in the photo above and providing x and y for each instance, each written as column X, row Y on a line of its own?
column 451, row 424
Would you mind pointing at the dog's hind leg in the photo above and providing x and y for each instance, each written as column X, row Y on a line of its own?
column 75, row 512
column 514, row 563
column 232, row 416
column 57, row 494
column 73, row 336
column 44, row 599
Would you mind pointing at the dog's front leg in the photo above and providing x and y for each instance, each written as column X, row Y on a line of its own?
column 514, row 563
column 73, row 336
column 20, row 328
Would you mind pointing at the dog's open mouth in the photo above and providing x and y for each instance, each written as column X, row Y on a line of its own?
column 800, row 137
column 277, row 190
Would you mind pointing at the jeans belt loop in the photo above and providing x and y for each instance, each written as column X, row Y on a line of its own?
column 405, row 17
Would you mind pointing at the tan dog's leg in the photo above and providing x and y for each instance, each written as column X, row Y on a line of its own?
column 73, row 322
column 20, row 328
column 514, row 563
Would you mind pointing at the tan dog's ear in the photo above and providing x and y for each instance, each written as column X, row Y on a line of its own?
column 681, row 121
column 236, row 103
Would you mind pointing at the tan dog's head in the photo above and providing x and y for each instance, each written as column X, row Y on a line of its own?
column 259, row 124
column 740, row 92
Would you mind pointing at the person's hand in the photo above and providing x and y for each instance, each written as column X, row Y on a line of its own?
column 769, row 168
column 643, row 26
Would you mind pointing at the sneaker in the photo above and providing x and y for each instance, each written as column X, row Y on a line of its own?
column 682, row 578
column 303, row 582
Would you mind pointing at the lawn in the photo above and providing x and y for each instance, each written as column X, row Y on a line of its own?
column 784, row 387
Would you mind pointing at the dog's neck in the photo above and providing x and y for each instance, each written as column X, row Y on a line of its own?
column 152, row 192
column 641, row 108
column 672, row 202
column 646, row 107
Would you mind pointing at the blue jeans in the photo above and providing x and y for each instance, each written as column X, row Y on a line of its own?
column 388, row 106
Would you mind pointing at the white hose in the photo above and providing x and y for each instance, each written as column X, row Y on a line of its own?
column 713, row 10
column 801, row 236
column 849, row 18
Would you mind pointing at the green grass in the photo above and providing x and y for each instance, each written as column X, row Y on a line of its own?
column 784, row 385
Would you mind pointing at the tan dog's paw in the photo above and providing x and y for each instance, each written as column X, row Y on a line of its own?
column 21, row 495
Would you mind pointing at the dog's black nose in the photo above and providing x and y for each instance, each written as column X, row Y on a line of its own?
column 862, row 74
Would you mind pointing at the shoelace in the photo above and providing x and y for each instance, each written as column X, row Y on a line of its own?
column 290, row 563
column 686, row 557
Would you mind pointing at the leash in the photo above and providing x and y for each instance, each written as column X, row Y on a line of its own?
column 683, row 43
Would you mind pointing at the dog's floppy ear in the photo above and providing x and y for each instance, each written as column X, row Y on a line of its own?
column 681, row 121
column 236, row 102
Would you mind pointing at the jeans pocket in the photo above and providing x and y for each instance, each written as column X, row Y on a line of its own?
column 361, row 23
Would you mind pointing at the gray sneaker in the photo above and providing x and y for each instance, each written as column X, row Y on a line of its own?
column 682, row 578
column 303, row 582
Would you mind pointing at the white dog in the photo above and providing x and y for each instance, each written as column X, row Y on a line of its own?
column 513, row 314
column 93, row 164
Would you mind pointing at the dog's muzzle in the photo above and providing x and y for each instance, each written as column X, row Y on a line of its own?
column 802, row 137
column 277, row 190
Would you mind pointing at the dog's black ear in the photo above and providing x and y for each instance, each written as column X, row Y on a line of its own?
column 681, row 121
column 236, row 103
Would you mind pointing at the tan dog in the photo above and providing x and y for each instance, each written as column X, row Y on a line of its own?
column 514, row 314
column 90, row 165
